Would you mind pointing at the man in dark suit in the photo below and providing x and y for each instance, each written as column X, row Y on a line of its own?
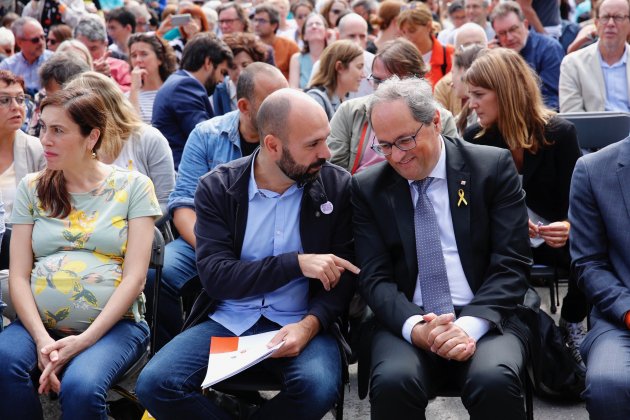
column 442, row 241
column 599, row 210
column 182, row 101
column 273, row 240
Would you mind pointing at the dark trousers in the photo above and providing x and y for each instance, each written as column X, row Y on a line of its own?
column 574, row 306
column 404, row 378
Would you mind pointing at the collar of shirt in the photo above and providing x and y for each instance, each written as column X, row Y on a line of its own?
column 439, row 171
column 253, row 189
column 622, row 61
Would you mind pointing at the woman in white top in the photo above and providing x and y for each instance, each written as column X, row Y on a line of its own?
column 134, row 145
column 152, row 60
column 19, row 153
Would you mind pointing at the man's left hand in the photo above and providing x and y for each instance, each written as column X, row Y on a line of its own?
column 295, row 336
column 452, row 343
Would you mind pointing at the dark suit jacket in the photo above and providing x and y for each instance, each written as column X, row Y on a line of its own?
column 491, row 234
column 546, row 174
column 180, row 104
column 221, row 204
column 600, row 243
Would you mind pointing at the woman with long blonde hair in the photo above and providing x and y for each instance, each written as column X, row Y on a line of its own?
column 505, row 94
column 133, row 145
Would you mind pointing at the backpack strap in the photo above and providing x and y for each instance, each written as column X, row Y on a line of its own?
column 357, row 158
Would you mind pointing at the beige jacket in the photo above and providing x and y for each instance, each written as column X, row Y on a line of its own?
column 582, row 87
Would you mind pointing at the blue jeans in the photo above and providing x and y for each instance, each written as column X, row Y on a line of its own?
column 607, row 357
column 169, row 386
column 85, row 380
column 180, row 267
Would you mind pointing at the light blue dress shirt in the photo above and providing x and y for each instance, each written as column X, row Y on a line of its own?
column 273, row 228
column 616, row 81
column 18, row 65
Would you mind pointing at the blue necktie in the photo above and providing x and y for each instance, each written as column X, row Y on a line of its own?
column 436, row 294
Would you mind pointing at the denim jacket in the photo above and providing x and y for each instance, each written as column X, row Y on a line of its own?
column 210, row 144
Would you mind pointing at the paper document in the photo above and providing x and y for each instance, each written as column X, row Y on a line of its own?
column 231, row 355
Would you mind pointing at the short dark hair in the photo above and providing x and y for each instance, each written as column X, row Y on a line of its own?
column 205, row 45
column 272, row 12
column 61, row 67
column 10, row 78
column 455, row 6
column 246, row 85
column 122, row 16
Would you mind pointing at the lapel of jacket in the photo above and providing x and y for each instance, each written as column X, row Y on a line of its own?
column 401, row 210
column 623, row 173
column 239, row 193
column 311, row 215
column 595, row 65
column 458, row 181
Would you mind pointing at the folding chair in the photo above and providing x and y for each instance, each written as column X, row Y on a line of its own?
column 156, row 262
column 596, row 130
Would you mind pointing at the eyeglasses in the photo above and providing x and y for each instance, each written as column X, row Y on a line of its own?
column 315, row 24
column 227, row 21
column 602, row 20
column 301, row 16
column 375, row 80
column 261, row 21
column 403, row 144
column 35, row 40
column 5, row 100
column 511, row 30
column 52, row 41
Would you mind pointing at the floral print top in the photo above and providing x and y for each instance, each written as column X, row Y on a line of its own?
column 79, row 259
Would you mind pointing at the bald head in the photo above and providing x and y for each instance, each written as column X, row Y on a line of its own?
column 285, row 109
column 252, row 76
column 470, row 33
column 354, row 28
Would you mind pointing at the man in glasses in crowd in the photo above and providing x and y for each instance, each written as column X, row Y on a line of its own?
column 350, row 134
column 596, row 77
column 29, row 36
column 442, row 240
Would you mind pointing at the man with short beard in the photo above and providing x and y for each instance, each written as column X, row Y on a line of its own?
column 274, row 244
column 182, row 101
column 212, row 143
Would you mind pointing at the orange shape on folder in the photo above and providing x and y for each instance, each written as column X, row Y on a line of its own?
column 223, row 344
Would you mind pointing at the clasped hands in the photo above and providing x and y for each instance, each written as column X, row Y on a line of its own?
column 440, row 335
column 555, row 234
column 52, row 356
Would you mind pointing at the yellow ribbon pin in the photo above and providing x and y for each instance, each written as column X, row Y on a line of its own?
column 461, row 200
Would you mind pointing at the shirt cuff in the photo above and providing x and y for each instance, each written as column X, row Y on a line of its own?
column 473, row 326
column 408, row 326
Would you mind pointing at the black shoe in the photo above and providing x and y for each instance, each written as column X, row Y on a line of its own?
column 239, row 408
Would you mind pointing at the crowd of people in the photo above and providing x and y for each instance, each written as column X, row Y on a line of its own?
column 383, row 174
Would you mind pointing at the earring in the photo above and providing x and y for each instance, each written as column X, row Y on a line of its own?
column 93, row 154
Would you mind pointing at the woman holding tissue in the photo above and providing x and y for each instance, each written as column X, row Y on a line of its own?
column 152, row 61
column 545, row 149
